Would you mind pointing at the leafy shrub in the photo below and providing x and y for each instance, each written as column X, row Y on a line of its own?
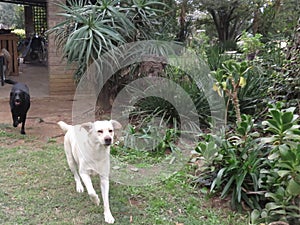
column 189, row 86
column 251, row 45
column 20, row 32
column 151, row 137
column 244, row 85
column 253, row 96
column 236, row 164
column 273, row 56
column 282, row 63
column 159, row 107
column 283, row 125
column 259, row 167
column 215, row 57
column 282, row 181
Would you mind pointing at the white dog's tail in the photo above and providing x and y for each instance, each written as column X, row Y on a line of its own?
column 64, row 126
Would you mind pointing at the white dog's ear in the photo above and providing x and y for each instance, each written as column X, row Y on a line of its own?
column 87, row 126
column 116, row 124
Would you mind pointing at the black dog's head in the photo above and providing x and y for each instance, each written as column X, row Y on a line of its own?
column 17, row 97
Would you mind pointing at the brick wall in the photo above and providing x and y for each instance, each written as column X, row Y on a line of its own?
column 61, row 80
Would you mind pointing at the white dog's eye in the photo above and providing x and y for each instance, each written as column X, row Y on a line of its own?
column 110, row 131
column 100, row 131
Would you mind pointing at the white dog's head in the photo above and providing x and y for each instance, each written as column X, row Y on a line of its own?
column 103, row 131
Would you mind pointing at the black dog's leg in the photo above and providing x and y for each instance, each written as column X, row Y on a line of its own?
column 15, row 119
column 23, row 120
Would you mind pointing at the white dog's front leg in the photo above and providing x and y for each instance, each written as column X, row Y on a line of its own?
column 105, row 192
column 79, row 187
column 89, row 187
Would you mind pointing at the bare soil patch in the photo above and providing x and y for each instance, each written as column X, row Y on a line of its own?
column 42, row 117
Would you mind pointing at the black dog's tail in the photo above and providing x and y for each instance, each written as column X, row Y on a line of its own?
column 8, row 81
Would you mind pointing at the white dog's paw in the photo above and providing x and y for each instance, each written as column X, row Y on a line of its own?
column 109, row 218
column 79, row 188
column 95, row 198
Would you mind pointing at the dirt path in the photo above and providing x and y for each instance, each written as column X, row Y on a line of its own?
column 42, row 117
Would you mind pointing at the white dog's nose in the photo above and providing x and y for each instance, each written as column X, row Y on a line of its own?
column 107, row 140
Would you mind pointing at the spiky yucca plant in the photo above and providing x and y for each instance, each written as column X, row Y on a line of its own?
column 89, row 30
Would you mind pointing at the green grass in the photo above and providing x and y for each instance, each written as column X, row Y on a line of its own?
column 36, row 187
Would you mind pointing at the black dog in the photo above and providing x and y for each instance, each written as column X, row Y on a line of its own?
column 19, row 103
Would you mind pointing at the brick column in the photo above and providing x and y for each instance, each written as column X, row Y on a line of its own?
column 29, row 23
column 61, row 80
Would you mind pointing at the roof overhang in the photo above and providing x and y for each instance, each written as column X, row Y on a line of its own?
column 27, row 2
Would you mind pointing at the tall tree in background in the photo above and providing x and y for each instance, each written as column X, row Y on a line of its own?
column 275, row 17
column 230, row 17
column 19, row 20
column 12, row 15
column 7, row 14
column 265, row 13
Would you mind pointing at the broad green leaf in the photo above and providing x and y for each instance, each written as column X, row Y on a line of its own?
column 293, row 188
column 285, row 165
column 283, row 173
column 287, row 155
column 280, row 212
column 274, row 124
column 265, row 140
column 276, row 115
column 272, row 205
column 255, row 214
column 294, row 207
column 287, row 117
column 286, row 126
column 241, row 131
column 276, row 197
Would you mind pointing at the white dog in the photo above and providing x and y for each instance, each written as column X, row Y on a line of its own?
column 87, row 148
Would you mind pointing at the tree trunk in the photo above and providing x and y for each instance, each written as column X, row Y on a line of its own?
column 104, row 100
column 222, row 19
column 267, row 21
column 181, row 36
column 256, row 21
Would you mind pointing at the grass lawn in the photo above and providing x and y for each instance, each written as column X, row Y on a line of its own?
column 36, row 187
